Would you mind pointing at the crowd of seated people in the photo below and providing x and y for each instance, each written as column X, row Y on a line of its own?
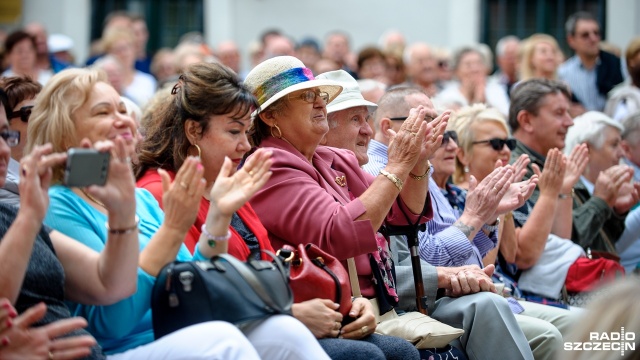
column 515, row 176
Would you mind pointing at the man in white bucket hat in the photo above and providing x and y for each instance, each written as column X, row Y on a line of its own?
column 350, row 112
column 348, row 129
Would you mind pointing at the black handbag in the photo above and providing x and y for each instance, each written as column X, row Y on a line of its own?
column 223, row 288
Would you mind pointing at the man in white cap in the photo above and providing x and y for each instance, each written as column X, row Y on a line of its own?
column 491, row 330
column 349, row 113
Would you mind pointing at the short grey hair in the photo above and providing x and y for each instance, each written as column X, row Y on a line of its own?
column 457, row 56
column 631, row 126
column 589, row 127
column 503, row 42
column 572, row 21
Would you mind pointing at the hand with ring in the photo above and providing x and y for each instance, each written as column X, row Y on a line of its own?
column 22, row 340
column 364, row 323
column 320, row 317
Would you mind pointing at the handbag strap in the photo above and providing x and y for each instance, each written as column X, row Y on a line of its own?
column 353, row 278
column 253, row 280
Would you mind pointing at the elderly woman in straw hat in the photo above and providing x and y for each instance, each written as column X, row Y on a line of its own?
column 319, row 194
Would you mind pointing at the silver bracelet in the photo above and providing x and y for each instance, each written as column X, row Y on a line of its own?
column 212, row 240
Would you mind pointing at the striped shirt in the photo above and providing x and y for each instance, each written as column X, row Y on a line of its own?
column 582, row 82
column 442, row 244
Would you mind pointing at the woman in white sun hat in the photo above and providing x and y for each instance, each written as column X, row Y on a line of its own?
column 320, row 195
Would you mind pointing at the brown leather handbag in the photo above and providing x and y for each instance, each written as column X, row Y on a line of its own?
column 314, row 273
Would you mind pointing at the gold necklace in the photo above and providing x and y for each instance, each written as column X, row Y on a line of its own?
column 93, row 199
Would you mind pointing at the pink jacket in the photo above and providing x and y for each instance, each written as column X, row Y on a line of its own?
column 302, row 203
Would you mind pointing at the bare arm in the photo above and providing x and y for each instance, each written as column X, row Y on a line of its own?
column 490, row 257
column 508, row 239
column 532, row 237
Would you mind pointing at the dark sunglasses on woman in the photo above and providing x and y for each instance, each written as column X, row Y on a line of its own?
column 11, row 137
column 497, row 144
column 449, row 135
column 23, row 113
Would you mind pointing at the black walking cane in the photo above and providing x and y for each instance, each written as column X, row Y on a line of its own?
column 411, row 232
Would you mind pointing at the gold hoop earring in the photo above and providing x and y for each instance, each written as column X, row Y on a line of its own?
column 279, row 131
column 199, row 151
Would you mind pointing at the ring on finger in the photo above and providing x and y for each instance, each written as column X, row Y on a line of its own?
column 184, row 185
column 496, row 189
column 364, row 330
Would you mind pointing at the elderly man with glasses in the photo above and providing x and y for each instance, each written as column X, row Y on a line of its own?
column 19, row 96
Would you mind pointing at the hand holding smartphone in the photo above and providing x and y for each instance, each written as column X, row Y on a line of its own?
column 86, row 167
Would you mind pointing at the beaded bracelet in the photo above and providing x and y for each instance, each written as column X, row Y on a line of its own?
column 123, row 231
column 212, row 239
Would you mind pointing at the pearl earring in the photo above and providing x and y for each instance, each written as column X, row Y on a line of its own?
column 466, row 169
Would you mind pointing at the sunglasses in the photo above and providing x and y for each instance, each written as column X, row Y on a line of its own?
column 498, row 144
column 449, row 135
column 587, row 34
column 23, row 113
column 11, row 137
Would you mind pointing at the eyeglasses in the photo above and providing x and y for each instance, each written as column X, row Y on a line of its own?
column 11, row 137
column 427, row 118
column 498, row 144
column 23, row 113
column 310, row 96
column 449, row 135
column 586, row 34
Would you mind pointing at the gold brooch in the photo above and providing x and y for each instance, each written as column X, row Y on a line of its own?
column 341, row 180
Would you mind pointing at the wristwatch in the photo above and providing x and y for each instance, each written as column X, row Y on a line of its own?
column 491, row 228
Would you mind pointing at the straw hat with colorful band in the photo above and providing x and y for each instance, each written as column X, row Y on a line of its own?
column 279, row 76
